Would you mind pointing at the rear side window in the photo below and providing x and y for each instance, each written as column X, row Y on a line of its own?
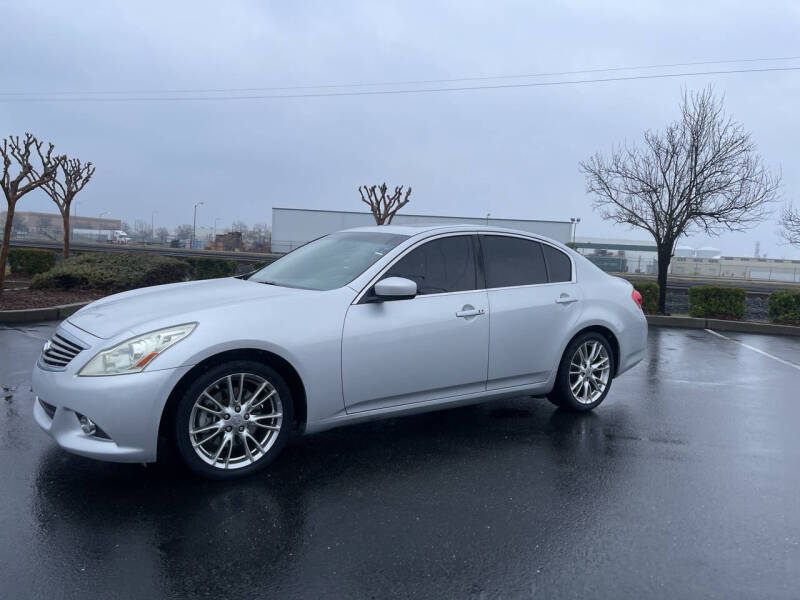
column 439, row 266
column 559, row 267
column 512, row 261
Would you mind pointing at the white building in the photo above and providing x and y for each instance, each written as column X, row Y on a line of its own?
column 293, row 227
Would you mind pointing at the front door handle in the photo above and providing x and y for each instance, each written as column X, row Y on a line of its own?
column 469, row 311
column 565, row 299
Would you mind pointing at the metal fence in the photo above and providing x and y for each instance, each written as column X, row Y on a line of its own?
column 744, row 269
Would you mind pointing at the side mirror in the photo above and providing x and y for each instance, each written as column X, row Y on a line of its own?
column 395, row 288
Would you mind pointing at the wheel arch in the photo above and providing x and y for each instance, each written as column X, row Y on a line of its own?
column 280, row 364
column 607, row 333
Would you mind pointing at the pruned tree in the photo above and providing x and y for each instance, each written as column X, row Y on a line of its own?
column 28, row 177
column 382, row 205
column 790, row 224
column 70, row 177
column 702, row 172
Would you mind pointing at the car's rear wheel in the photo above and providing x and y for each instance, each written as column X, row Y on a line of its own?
column 233, row 420
column 584, row 374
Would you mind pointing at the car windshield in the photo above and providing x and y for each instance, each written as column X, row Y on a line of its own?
column 329, row 262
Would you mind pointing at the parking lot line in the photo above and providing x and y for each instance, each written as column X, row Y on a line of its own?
column 749, row 347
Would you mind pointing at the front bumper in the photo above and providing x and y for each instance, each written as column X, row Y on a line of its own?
column 128, row 408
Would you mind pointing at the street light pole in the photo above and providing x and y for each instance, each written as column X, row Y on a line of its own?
column 215, row 228
column 72, row 225
column 574, row 221
column 152, row 226
column 194, row 224
column 487, row 217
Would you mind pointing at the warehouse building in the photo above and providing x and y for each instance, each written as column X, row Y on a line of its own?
column 293, row 227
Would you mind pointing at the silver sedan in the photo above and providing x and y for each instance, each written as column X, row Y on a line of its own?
column 357, row 325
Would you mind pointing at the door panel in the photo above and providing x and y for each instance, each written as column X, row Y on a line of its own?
column 414, row 350
column 529, row 325
column 533, row 304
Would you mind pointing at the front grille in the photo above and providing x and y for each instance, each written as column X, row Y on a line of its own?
column 49, row 409
column 59, row 351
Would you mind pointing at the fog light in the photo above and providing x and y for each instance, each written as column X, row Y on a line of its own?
column 88, row 426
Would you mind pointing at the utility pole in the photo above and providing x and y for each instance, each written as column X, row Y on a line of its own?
column 194, row 224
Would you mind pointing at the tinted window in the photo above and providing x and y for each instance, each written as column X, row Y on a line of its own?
column 559, row 267
column 443, row 265
column 512, row 261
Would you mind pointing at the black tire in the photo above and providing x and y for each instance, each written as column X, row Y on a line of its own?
column 254, row 372
column 562, row 394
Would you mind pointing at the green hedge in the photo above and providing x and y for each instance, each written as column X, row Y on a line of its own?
column 649, row 292
column 784, row 306
column 111, row 272
column 715, row 302
column 210, row 268
column 30, row 261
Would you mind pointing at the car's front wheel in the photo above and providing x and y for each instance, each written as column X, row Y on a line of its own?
column 584, row 374
column 233, row 419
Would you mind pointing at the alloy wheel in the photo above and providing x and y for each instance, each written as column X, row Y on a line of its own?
column 235, row 421
column 589, row 371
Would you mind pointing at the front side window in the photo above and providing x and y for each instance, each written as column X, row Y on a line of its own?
column 329, row 262
column 439, row 266
column 512, row 261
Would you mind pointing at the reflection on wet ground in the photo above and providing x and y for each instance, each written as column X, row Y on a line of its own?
column 684, row 483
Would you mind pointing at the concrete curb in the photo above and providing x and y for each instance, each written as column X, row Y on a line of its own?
column 32, row 315
column 722, row 325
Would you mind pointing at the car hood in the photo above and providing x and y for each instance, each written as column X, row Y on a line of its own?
column 133, row 310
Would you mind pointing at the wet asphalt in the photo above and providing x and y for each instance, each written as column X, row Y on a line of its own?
column 685, row 483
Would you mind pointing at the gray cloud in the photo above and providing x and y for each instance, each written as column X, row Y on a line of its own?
column 513, row 153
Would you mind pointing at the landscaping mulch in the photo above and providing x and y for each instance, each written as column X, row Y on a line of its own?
column 15, row 299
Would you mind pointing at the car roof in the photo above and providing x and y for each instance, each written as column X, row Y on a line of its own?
column 416, row 230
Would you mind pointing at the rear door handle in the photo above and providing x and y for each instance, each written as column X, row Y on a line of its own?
column 565, row 300
column 470, row 312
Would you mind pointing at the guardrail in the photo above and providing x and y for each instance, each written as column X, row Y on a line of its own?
column 245, row 257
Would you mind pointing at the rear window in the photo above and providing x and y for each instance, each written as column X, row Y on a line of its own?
column 559, row 266
column 512, row 261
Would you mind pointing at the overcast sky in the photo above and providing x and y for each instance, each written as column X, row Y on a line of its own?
column 511, row 152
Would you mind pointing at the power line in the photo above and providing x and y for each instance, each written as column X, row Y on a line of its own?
column 392, row 92
column 407, row 82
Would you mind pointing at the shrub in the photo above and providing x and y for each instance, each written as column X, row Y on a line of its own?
column 210, row 268
column 649, row 292
column 31, row 261
column 716, row 302
column 111, row 272
column 784, row 306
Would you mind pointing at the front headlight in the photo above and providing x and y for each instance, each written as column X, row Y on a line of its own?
column 133, row 355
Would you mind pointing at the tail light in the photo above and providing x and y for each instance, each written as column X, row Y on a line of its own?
column 637, row 297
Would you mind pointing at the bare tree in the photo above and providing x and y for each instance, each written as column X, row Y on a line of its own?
column 384, row 207
column 28, row 178
column 184, row 232
column 162, row 233
column 702, row 172
column 141, row 231
column 69, row 179
column 790, row 224
column 239, row 226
